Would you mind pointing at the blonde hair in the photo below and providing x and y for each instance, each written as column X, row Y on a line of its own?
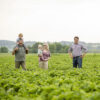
column 39, row 46
column 20, row 35
column 46, row 44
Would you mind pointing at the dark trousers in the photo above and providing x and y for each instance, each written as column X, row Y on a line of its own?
column 20, row 63
column 77, row 61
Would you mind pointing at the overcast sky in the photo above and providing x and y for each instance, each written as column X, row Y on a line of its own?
column 50, row 20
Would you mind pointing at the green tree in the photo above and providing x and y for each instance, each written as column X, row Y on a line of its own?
column 58, row 47
column 52, row 48
column 30, row 49
column 65, row 49
column 3, row 50
column 35, row 47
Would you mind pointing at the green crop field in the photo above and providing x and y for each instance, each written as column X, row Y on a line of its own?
column 59, row 82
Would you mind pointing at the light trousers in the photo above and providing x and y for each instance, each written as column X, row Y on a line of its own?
column 43, row 64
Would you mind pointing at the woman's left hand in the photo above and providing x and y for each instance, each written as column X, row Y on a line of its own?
column 46, row 60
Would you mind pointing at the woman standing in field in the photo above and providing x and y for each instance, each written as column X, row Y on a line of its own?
column 44, row 57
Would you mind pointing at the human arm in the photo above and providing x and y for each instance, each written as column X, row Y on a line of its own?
column 48, row 55
column 14, row 50
column 70, row 52
column 84, row 51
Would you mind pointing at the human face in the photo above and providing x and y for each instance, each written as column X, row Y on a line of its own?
column 20, row 42
column 45, row 47
column 20, row 36
column 76, row 41
column 40, row 48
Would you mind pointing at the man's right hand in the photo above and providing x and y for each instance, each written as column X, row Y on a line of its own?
column 16, row 49
column 71, row 57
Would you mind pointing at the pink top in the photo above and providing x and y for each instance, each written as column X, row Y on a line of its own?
column 45, row 56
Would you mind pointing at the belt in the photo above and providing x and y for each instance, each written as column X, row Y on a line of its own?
column 77, row 56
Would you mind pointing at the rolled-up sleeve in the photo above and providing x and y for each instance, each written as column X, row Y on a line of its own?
column 70, row 49
column 85, row 50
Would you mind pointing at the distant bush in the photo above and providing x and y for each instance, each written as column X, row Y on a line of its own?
column 4, row 50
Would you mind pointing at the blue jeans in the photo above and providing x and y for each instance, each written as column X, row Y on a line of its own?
column 77, row 61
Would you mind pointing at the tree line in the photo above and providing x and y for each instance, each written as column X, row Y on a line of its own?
column 53, row 47
column 4, row 50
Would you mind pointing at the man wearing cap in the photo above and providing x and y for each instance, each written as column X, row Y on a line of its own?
column 77, row 52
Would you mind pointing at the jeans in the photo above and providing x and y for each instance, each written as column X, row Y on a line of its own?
column 77, row 61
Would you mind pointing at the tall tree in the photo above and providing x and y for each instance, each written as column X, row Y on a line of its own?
column 3, row 50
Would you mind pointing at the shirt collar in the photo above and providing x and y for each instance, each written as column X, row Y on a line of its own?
column 76, row 44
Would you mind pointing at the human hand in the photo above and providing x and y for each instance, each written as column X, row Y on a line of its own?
column 16, row 49
column 46, row 60
column 71, row 56
column 27, row 49
column 82, row 56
